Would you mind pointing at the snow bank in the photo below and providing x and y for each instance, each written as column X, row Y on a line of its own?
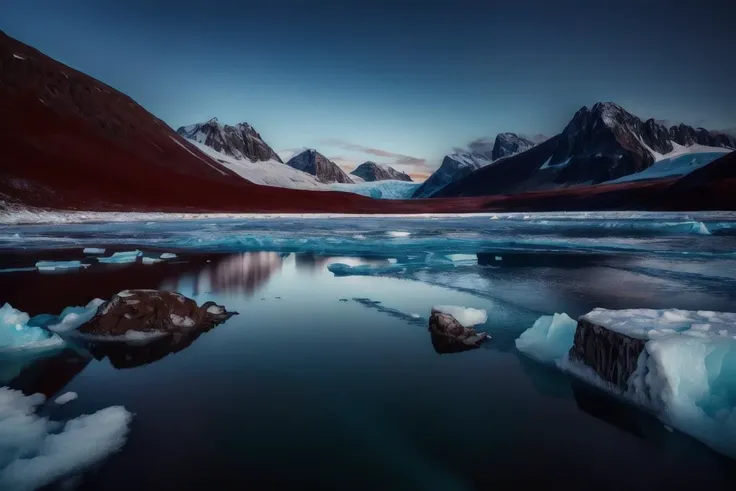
column 466, row 316
column 58, row 265
column 93, row 250
column 17, row 335
column 685, row 374
column 549, row 339
column 66, row 397
column 121, row 257
column 34, row 454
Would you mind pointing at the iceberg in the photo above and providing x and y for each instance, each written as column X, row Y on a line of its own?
column 168, row 255
column 466, row 316
column 17, row 335
column 70, row 318
column 121, row 257
column 34, row 453
column 680, row 365
column 59, row 265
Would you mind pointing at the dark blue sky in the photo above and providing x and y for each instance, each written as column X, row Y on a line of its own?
column 395, row 81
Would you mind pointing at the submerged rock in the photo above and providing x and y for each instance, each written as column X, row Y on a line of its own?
column 612, row 355
column 449, row 336
column 142, row 312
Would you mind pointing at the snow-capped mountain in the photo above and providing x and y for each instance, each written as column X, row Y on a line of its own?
column 314, row 163
column 454, row 167
column 240, row 141
column 602, row 144
column 371, row 171
column 508, row 144
column 265, row 172
column 606, row 142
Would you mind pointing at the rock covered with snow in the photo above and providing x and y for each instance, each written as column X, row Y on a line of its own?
column 240, row 141
column 508, row 144
column 451, row 328
column 314, row 163
column 453, row 168
column 142, row 312
column 371, row 171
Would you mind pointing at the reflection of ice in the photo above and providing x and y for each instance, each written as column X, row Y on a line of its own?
column 237, row 273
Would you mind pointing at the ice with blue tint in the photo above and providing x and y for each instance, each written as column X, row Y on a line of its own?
column 71, row 317
column 121, row 257
column 389, row 189
column 93, row 250
column 59, row 265
column 341, row 269
column 549, row 339
column 17, row 335
column 686, row 374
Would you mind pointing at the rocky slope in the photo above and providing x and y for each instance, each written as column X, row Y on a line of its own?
column 240, row 141
column 314, row 163
column 371, row 171
column 600, row 144
column 508, row 144
column 453, row 168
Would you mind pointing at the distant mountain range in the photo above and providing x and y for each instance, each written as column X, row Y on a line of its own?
column 69, row 141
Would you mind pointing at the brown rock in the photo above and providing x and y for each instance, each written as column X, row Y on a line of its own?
column 148, row 311
column 449, row 336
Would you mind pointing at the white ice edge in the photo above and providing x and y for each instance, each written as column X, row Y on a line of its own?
column 466, row 316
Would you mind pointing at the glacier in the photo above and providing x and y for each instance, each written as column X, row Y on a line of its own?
column 388, row 189
column 674, row 166
column 685, row 375
column 35, row 451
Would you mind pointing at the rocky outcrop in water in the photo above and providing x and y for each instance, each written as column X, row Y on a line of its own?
column 612, row 355
column 152, row 311
column 449, row 336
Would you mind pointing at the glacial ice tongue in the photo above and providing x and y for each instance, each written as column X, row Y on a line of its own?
column 17, row 335
column 34, row 453
column 685, row 374
column 466, row 316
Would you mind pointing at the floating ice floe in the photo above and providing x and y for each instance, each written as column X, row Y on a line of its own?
column 685, row 372
column 34, row 453
column 72, row 317
column 342, row 269
column 466, row 316
column 16, row 270
column 59, row 265
column 398, row 234
column 150, row 260
column 17, row 335
column 123, row 257
column 93, row 250
column 168, row 255
column 66, row 397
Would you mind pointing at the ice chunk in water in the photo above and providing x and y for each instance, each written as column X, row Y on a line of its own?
column 549, row 339
column 73, row 317
column 150, row 260
column 168, row 255
column 16, row 334
column 34, row 454
column 93, row 250
column 57, row 265
column 66, row 397
column 466, row 316
column 686, row 373
column 398, row 234
column 121, row 257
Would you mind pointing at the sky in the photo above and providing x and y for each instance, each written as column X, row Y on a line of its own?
column 401, row 83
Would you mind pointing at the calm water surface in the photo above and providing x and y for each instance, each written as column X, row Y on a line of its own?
column 332, row 382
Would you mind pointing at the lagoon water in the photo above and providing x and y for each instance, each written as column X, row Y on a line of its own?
column 328, row 379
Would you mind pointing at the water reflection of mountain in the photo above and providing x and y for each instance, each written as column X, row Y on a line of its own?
column 234, row 273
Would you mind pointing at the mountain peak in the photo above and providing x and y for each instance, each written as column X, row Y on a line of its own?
column 371, row 171
column 239, row 141
column 213, row 121
column 507, row 144
column 312, row 162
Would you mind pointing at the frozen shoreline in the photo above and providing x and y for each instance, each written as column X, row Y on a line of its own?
column 25, row 216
